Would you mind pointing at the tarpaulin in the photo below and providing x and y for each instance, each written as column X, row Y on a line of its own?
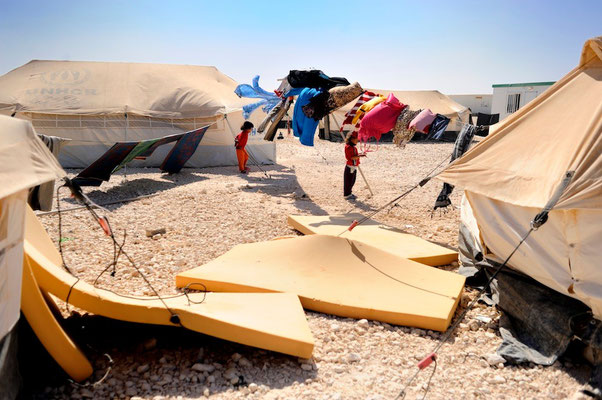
column 182, row 151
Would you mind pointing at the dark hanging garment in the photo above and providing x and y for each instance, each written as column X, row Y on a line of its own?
column 317, row 108
column 314, row 79
column 460, row 147
column 487, row 119
column 438, row 127
column 101, row 169
column 326, row 102
column 182, row 151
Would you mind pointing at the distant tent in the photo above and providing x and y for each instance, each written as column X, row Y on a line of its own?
column 88, row 102
column 510, row 175
column 416, row 99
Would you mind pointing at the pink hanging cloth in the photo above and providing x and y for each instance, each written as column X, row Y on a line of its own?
column 422, row 122
column 381, row 119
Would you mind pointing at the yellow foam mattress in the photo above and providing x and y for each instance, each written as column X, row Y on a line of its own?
column 382, row 236
column 271, row 321
column 42, row 321
column 337, row 276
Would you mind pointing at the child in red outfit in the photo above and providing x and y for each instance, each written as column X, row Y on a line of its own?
column 353, row 161
column 240, row 142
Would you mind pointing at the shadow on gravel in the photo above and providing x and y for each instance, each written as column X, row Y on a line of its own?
column 282, row 182
column 153, row 361
column 134, row 187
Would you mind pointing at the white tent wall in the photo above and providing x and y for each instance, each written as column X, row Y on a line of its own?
column 93, row 135
column 563, row 254
column 12, row 222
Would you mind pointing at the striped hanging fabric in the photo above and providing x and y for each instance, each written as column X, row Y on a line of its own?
column 366, row 96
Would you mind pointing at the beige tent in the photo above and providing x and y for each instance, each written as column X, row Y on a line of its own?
column 26, row 162
column 416, row 99
column 511, row 175
column 88, row 103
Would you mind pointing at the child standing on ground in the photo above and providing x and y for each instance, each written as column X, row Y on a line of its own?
column 240, row 142
column 353, row 161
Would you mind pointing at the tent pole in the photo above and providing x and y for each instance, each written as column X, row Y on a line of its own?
column 125, row 167
column 327, row 127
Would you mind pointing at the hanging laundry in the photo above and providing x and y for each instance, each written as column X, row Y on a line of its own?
column 461, row 146
column 268, row 100
column 182, row 151
column 369, row 105
column 484, row 120
column 158, row 143
column 284, row 87
column 365, row 97
column 438, row 127
column 422, row 122
column 275, row 115
column 326, row 102
column 381, row 119
column 402, row 133
column 304, row 128
column 316, row 108
column 315, row 79
column 146, row 148
column 101, row 169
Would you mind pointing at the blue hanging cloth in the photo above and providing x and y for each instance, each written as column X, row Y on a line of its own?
column 303, row 127
column 268, row 100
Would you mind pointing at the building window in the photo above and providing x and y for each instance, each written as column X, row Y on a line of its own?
column 513, row 103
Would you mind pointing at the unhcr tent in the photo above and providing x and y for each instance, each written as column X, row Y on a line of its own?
column 96, row 104
column 416, row 99
column 26, row 162
column 510, row 176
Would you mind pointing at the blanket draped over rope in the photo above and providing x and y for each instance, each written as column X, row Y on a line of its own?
column 268, row 100
column 460, row 147
column 123, row 152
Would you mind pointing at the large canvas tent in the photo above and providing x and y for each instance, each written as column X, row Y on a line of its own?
column 26, row 162
column 510, row 176
column 96, row 104
column 416, row 99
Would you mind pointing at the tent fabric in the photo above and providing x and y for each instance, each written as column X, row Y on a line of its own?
column 182, row 151
column 417, row 100
column 524, row 159
column 12, row 216
column 25, row 159
column 25, row 162
column 96, row 104
column 82, row 87
column 40, row 197
column 563, row 254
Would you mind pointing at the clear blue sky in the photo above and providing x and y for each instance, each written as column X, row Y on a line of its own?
column 452, row 46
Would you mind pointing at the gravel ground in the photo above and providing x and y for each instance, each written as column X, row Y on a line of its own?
column 207, row 211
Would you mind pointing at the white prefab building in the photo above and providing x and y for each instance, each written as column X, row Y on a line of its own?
column 478, row 103
column 510, row 97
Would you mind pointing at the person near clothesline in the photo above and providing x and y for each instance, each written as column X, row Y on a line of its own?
column 240, row 142
column 352, row 157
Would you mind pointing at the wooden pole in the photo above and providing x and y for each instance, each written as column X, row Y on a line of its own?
column 327, row 127
column 365, row 180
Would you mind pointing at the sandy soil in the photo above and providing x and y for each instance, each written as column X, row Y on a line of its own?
column 207, row 211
